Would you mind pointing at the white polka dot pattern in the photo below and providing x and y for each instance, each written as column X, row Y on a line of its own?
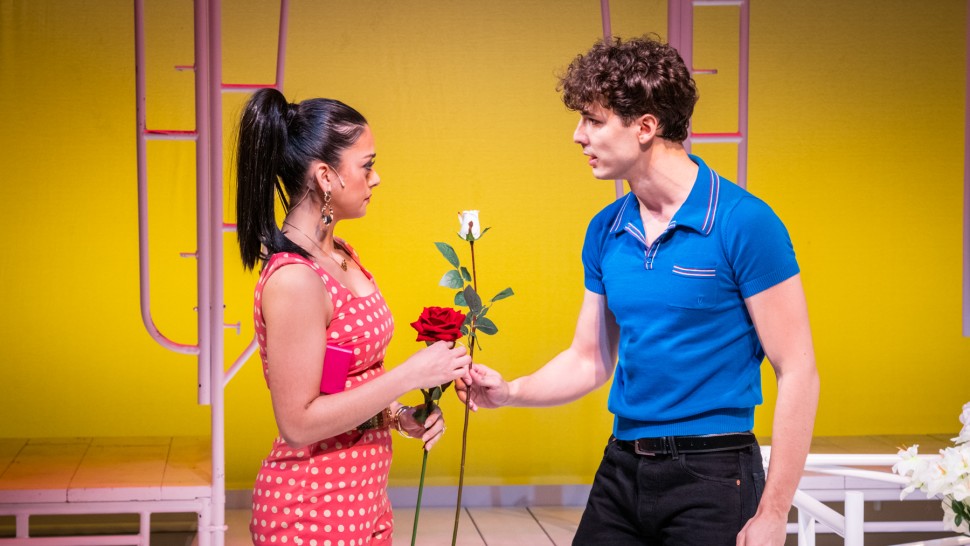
column 333, row 492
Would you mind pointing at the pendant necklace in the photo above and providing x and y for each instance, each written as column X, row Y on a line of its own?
column 342, row 262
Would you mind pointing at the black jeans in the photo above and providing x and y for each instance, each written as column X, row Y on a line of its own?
column 699, row 499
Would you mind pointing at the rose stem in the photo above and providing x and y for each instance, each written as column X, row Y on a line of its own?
column 464, row 428
column 417, row 509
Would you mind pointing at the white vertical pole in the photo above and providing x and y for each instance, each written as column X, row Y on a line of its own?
column 806, row 528
column 607, row 37
column 217, row 318
column 202, row 200
column 966, row 188
column 854, row 518
column 680, row 30
column 744, row 39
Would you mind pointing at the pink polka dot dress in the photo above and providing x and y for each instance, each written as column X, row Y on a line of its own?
column 332, row 492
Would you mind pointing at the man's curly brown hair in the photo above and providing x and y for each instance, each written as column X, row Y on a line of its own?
column 632, row 78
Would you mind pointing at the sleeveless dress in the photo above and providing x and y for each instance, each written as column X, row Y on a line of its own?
column 332, row 492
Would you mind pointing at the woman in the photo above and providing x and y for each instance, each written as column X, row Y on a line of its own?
column 326, row 476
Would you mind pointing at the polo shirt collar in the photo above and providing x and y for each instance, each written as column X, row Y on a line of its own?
column 697, row 212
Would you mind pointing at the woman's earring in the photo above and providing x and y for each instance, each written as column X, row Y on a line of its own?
column 326, row 211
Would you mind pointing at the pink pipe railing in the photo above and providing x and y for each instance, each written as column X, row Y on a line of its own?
column 142, row 165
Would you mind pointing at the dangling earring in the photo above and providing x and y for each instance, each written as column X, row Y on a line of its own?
column 326, row 211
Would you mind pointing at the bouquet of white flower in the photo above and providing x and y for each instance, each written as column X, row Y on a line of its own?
column 946, row 475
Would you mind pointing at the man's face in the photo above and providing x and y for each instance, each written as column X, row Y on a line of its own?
column 611, row 145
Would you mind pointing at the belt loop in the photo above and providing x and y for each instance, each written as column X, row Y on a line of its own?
column 673, row 446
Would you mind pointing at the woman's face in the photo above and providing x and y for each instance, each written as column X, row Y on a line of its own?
column 357, row 172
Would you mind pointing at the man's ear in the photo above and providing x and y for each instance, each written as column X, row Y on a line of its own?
column 647, row 127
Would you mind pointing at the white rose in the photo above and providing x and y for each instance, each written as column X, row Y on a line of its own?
column 469, row 224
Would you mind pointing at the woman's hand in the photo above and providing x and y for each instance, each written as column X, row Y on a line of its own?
column 486, row 386
column 430, row 432
column 438, row 364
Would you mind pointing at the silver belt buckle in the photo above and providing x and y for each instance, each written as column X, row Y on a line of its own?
column 638, row 451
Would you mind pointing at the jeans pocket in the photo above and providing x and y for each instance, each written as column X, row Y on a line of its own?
column 759, row 483
column 715, row 466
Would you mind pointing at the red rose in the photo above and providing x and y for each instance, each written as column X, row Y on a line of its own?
column 439, row 324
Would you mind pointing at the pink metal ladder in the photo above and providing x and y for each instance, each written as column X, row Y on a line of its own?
column 210, row 225
column 680, row 30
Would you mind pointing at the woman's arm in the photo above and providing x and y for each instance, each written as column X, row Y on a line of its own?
column 297, row 310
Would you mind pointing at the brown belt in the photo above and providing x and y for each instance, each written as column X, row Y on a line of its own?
column 381, row 420
column 673, row 445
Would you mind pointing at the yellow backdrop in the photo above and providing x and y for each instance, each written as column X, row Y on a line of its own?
column 856, row 140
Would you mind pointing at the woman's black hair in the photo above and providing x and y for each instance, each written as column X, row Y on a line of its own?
column 277, row 141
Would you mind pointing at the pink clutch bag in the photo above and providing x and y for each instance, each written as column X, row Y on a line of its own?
column 336, row 364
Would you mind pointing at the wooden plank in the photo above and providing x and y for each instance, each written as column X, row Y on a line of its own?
column 929, row 444
column 115, row 469
column 435, row 526
column 861, row 444
column 508, row 527
column 9, row 448
column 42, row 471
column 189, row 462
column 559, row 522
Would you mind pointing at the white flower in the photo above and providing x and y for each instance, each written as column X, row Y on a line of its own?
column 911, row 466
column 964, row 436
column 949, row 519
column 469, row 224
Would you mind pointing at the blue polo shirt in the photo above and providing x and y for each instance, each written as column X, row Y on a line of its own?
column 689, row 356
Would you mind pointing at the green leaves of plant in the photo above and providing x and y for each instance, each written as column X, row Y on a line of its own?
column 466, row 296
column 486, row 326
column 449, row 254
column 472, row 300
column 431, row 396
column 503, row 294
column 452, row 279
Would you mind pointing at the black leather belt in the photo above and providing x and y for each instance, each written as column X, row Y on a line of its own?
column 672, row 445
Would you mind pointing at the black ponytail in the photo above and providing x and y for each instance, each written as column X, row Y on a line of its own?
column 277, row 142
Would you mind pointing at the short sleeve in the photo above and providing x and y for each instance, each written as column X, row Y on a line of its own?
column 592, row 255
column 759, row 247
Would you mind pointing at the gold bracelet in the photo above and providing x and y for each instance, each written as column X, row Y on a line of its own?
column 397, row 421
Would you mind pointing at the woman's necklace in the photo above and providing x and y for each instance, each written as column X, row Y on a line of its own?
column 343, row 261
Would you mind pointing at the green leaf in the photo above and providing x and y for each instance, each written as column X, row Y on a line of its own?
column 452, row 279
column 448, row 253
column 473, row 299
column 467, row 276
column 486, row 326
column 460, row 299
column 483, row 232
column 503, row 294
column 421, row 413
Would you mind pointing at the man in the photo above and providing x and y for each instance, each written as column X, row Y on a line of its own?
column 690, row 283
